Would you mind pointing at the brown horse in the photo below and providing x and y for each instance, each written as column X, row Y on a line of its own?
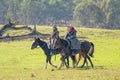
column 81, row 54
column 87, row 50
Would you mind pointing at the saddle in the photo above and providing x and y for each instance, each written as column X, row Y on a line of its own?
column 54, row 43
column 74, row 44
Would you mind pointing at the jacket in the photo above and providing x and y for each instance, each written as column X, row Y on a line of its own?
column 54, row 42
column 74, row 42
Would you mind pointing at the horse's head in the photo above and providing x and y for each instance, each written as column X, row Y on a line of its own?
column 35, row 43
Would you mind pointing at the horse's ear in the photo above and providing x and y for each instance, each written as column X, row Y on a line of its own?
column 38, row 38
column 35, row 38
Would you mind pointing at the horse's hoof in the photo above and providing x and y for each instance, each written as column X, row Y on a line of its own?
column 73, row 66
column 92, row 66
column 52, row 69
column 55, row 66
column 81, row 67
column 68, row 67
column 59, row 68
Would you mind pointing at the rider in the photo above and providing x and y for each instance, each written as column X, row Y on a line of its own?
column 71, row 37
column 53, row 40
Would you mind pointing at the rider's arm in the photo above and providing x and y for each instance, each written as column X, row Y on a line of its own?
column 67, row 36
column 73, row 34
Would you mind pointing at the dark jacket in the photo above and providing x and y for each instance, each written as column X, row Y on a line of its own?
column 71, row 36
column 55, row 34
column 54, row 42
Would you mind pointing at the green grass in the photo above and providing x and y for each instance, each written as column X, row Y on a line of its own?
column 19, row 62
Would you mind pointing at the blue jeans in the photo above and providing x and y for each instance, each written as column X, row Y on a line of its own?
column 52, row 51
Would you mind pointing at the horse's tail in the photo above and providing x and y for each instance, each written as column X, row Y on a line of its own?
column 91, row 49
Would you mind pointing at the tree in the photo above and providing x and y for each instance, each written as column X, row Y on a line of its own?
column 60, row 10
column 88, row 14
column 112, row 11
column 3, row 11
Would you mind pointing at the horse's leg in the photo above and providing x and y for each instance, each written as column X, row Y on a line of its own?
column 90, row 61
column 66, row 65
column 73, row 57
column 85, row 59
column 47, row 59
column 86, row 63
column 79, row 58
column 51, row 62
column 68, row 62
column 82, row 55
column 62, row 63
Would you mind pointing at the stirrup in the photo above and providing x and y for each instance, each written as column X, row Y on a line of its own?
column 51, row 53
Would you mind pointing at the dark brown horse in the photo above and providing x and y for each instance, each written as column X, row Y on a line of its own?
column 87, row 50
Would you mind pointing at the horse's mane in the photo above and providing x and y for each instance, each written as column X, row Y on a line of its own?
column 41, row 42
column 44, row 46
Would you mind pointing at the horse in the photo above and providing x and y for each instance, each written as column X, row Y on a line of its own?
column 87, row 50
column 44, row 46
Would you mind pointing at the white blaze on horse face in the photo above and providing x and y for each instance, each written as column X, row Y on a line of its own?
column 34, row 45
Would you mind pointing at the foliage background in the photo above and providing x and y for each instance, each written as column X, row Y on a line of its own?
column 87, row 13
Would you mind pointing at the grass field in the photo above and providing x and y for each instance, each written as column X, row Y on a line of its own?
column 19, row 62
